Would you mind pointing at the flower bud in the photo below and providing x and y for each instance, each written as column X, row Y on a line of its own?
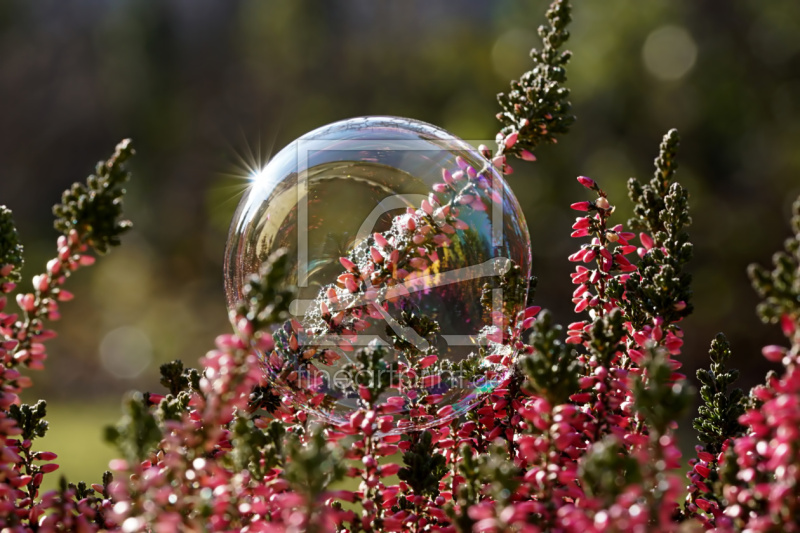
column 511, row 140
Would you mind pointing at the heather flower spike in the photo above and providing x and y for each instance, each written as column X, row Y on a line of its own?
column 537, row 109
column 93, row 209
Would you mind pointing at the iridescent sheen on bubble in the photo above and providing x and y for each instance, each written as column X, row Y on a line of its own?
column 384, row 218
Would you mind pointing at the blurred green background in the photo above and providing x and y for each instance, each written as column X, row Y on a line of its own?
column 205, row 88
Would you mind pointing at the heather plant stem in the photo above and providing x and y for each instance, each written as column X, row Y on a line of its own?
column 601, row 287
column 32, row 486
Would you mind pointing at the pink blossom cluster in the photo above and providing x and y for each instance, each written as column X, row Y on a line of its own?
column 22, row 338
column 525, row 459
column 759, row 471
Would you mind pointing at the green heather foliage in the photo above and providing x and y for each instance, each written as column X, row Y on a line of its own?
column 537, row 106
column 94, row 208
column 780, row 288
column 718, row 418
column 553, row 368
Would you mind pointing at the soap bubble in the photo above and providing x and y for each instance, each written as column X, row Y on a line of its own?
column 411, row 257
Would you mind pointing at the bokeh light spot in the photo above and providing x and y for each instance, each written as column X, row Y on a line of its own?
column 126, row 352
column 669, row 53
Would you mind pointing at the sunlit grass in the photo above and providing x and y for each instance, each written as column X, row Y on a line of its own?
column 76, row 435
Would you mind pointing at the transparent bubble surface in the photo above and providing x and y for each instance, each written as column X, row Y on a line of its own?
column 404, row 242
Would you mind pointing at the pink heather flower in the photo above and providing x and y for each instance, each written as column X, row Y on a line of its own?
column 264, row 342
column 428, row 360
column 580, row 291
column 49, row 467
column 54, row 266
column 773, row 353
column 351, row 285
column 589, row 183
column 332, row 295
column 646, row 241
column 347, row 264
column 418, row 263
column 245, row 327
column 445, row 411
column 389, row 470
column 602, row 203
column 46, row 456
column 788, row 325
column 40, row 282
column 431, row 381
column 465, row 199
column 581, row 223
column 581, row 304
column 441, row 240
column 527, row 156
column 7, row 287
column 702, row 470
column 27, row 302
column 364, row 393
column 398, row 401
column 703, row 504
column 705, row 456
column 447, row 177
column 380, row 240
column 511, row 140
column 532, row 311
column 581, row 206
column 577, row 256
